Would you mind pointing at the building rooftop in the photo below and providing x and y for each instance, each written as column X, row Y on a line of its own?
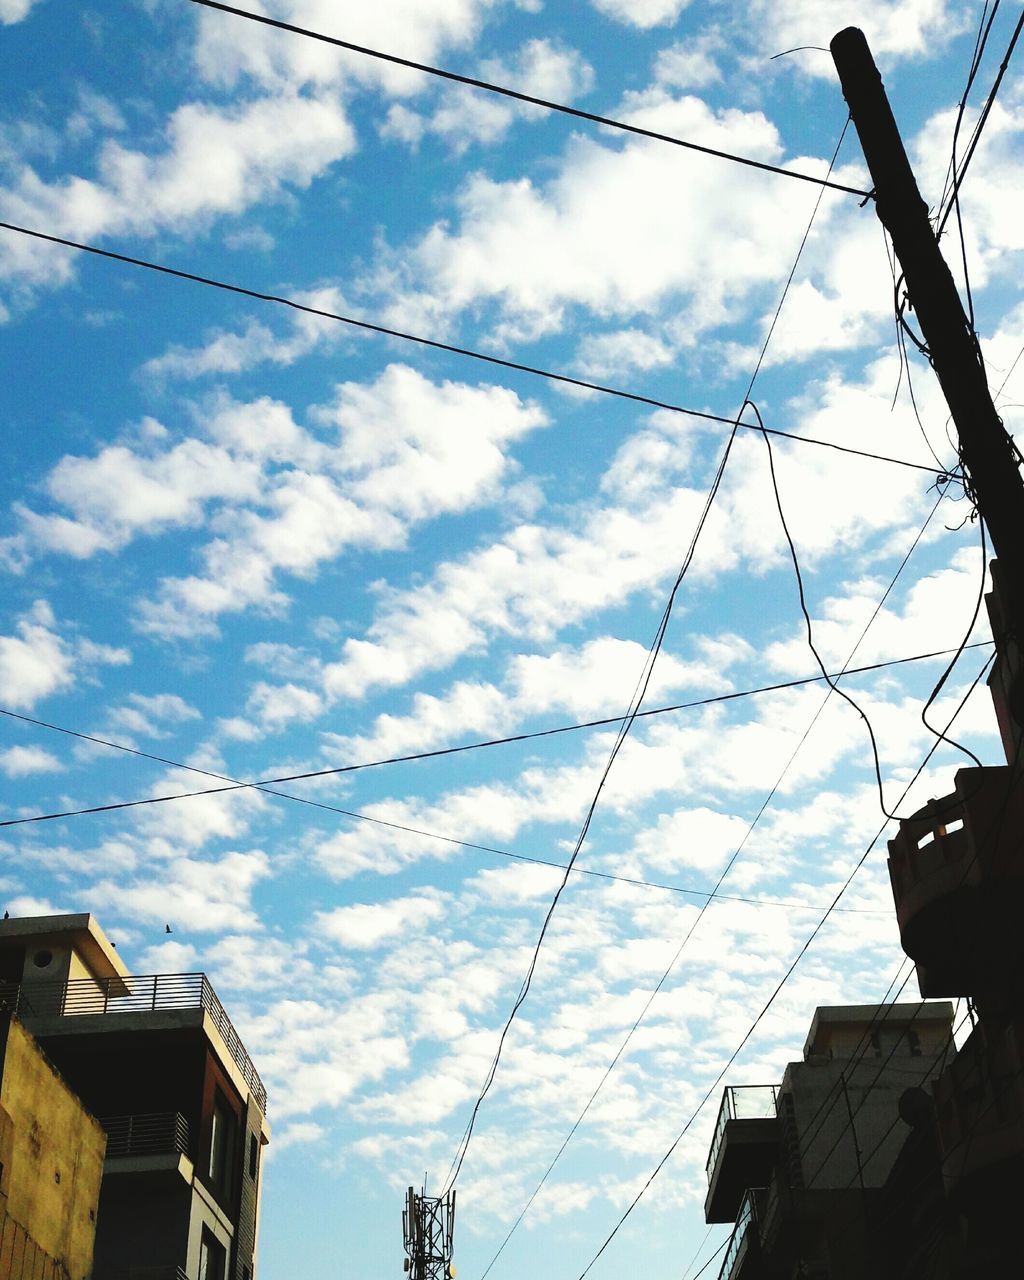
column 80, row 931
column 934, row 1015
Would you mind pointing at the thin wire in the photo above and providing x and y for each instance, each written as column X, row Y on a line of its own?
column 809, row 625
column 265, row 784
column 721, row 879
column 982, row 120
column 505, row 92
column 771, row 1000
column 433, row 344
column 642, row 686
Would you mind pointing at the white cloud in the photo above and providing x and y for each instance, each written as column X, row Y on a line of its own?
column 37, row 662
column 897, row 28
column 699, row 230
column 405, row 450
column 149, row 714
column 230, row 353
column 366, row 926
column 642, row 13
column 12, row 11
column 690, row 64
column 216, row 161
column 540, row 68
column 19, row 762
column 190, row 895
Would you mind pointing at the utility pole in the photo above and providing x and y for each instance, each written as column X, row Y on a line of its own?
column 985, row 447
column 428, row 1223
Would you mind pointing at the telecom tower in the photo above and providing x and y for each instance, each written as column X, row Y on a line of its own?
column 427, row 1225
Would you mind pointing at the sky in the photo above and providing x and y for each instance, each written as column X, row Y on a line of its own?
column 255, row 541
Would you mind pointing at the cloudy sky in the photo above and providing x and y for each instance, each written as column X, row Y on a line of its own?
column 256, row 542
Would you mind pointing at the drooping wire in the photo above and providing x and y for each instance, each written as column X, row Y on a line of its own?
column 504, row 91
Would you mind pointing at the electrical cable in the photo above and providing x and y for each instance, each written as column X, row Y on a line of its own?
column 809, row 625
column 264, row 784
column 721, row 879
column 575, row 112
column 383, row 330
column 771, row 1000
column 982, row 121
column 642, row 685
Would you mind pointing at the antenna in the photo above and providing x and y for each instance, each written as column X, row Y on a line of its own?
column 428, row 1223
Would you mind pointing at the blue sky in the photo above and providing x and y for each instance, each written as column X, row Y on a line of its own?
column 259, row 543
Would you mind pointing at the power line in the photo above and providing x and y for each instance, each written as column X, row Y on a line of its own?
column 634, row 881
column 982, row 121
column 505, row 92
column 263, row 784
column 383, row 330
column 771, row 999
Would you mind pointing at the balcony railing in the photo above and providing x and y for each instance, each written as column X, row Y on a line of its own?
column 167, row 1272
column 148, row 993
column 157, row 1133
column 741, row 1239
column 741, row 1102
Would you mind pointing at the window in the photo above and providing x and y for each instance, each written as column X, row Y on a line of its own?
column 222, row 1135
column 254, row 1156
column 914, row 1041
column 876, row 1044
column 211, row 1257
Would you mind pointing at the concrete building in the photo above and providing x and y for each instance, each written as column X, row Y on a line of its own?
column 157, row 1060
column 51, row 1163
column 800, row 1167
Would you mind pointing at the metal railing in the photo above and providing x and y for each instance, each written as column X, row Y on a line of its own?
column 156, row 1133
column 167, row 1271
column 145, row 993
column 746, row 1222
column 741, row 1102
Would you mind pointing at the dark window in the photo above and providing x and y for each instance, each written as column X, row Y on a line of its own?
column 254, row 1156
column 876, row 1044
column 211, row 1257
column 42, row 958
column 914, row 1041
column 222, row 1141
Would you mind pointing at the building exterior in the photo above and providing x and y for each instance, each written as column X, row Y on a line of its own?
column 800, row 1166
column 156, row 1059
column 51, row 1164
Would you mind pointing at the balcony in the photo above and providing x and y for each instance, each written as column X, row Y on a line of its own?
column 957, row 873
column 158, row 1133
column 979, row 1113
column 169, row 1272
column 137, row 994
column 744, row 1148
column 743, row 1256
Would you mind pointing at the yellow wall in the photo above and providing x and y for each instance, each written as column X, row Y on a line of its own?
column 52, row 1153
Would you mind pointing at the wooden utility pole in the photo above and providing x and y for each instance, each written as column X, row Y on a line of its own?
column 985, row 447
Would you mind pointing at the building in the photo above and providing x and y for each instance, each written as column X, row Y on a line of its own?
column 801, row 1166
column 51, row 1164
column 156, row 1059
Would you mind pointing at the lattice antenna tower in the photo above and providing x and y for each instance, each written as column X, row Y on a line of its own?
column 428, row 1223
